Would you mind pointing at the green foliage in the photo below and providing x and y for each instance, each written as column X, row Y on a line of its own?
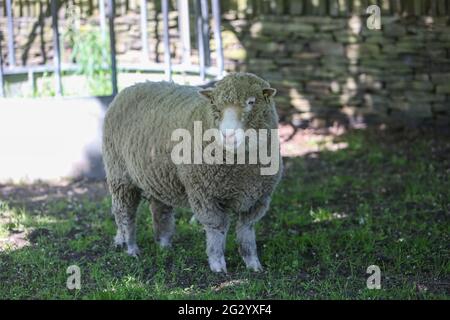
column 47, row 88
column 91, row 53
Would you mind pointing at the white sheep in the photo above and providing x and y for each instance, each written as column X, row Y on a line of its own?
column 138, row 156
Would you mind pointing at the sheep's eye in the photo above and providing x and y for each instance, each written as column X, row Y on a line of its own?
column 250, row 102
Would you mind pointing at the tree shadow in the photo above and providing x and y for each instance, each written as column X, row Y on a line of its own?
column 39, row 24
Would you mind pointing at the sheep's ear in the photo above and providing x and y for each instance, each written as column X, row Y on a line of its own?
column 207, row 93
column 269, row 92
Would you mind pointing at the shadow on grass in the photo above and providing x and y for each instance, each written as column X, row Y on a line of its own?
column 382, row 200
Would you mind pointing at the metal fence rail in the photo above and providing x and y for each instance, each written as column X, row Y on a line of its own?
column 202, row 18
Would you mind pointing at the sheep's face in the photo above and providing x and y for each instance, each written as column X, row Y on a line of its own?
column 240, row 102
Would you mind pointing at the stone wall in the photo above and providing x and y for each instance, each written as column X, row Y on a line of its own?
column 325, row 68
column 328, row 69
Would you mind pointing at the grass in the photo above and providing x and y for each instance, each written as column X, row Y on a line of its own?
column 384, row 200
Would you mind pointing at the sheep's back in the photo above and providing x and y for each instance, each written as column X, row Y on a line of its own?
column 138, row 129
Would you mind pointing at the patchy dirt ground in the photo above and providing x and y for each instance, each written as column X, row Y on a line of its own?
column 35, row 196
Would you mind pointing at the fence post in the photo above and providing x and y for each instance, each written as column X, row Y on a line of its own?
column 185, row 34
column 56, row 47
column 218, row 35
column 112, row 45
column 201, row 39
column 205, row 29
column 167, row 60
column 11, row 53
column 101, row 9
column 144, row 36
column 2, row 90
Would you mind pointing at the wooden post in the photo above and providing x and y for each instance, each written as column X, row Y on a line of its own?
column 56, row 47
column 112, row 44
column 218, row 36
column 167, row 59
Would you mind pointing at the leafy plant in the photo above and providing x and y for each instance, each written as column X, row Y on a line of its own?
column 91, row 53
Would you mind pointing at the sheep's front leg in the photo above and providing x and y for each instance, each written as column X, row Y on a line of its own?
column 215, row 247
column 216, row 225
column 246, row 238
column 163, row 223
column 245, row 234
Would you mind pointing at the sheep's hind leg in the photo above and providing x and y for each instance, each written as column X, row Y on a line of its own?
column 163, row 223
column 125, row 200
column 245, row 235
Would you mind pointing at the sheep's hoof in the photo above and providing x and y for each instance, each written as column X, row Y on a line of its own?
column 164, row 242
column 133, row 250
column 119, row 246
column 253, row 264
column 119, row 241
column 256, row 268
column 218, row 265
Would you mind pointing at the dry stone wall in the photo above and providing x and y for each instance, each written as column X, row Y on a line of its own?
column 329, row 69
column 325, row 68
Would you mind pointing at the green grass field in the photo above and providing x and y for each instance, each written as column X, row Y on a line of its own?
column 383, row 200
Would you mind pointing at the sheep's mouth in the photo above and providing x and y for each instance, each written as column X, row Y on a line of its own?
column 232, row 140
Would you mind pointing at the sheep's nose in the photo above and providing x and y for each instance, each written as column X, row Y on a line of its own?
column 229, row 135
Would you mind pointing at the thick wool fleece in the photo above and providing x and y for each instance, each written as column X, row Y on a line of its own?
column 137, row 155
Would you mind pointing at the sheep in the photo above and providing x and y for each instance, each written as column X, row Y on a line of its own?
column 138, row 157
